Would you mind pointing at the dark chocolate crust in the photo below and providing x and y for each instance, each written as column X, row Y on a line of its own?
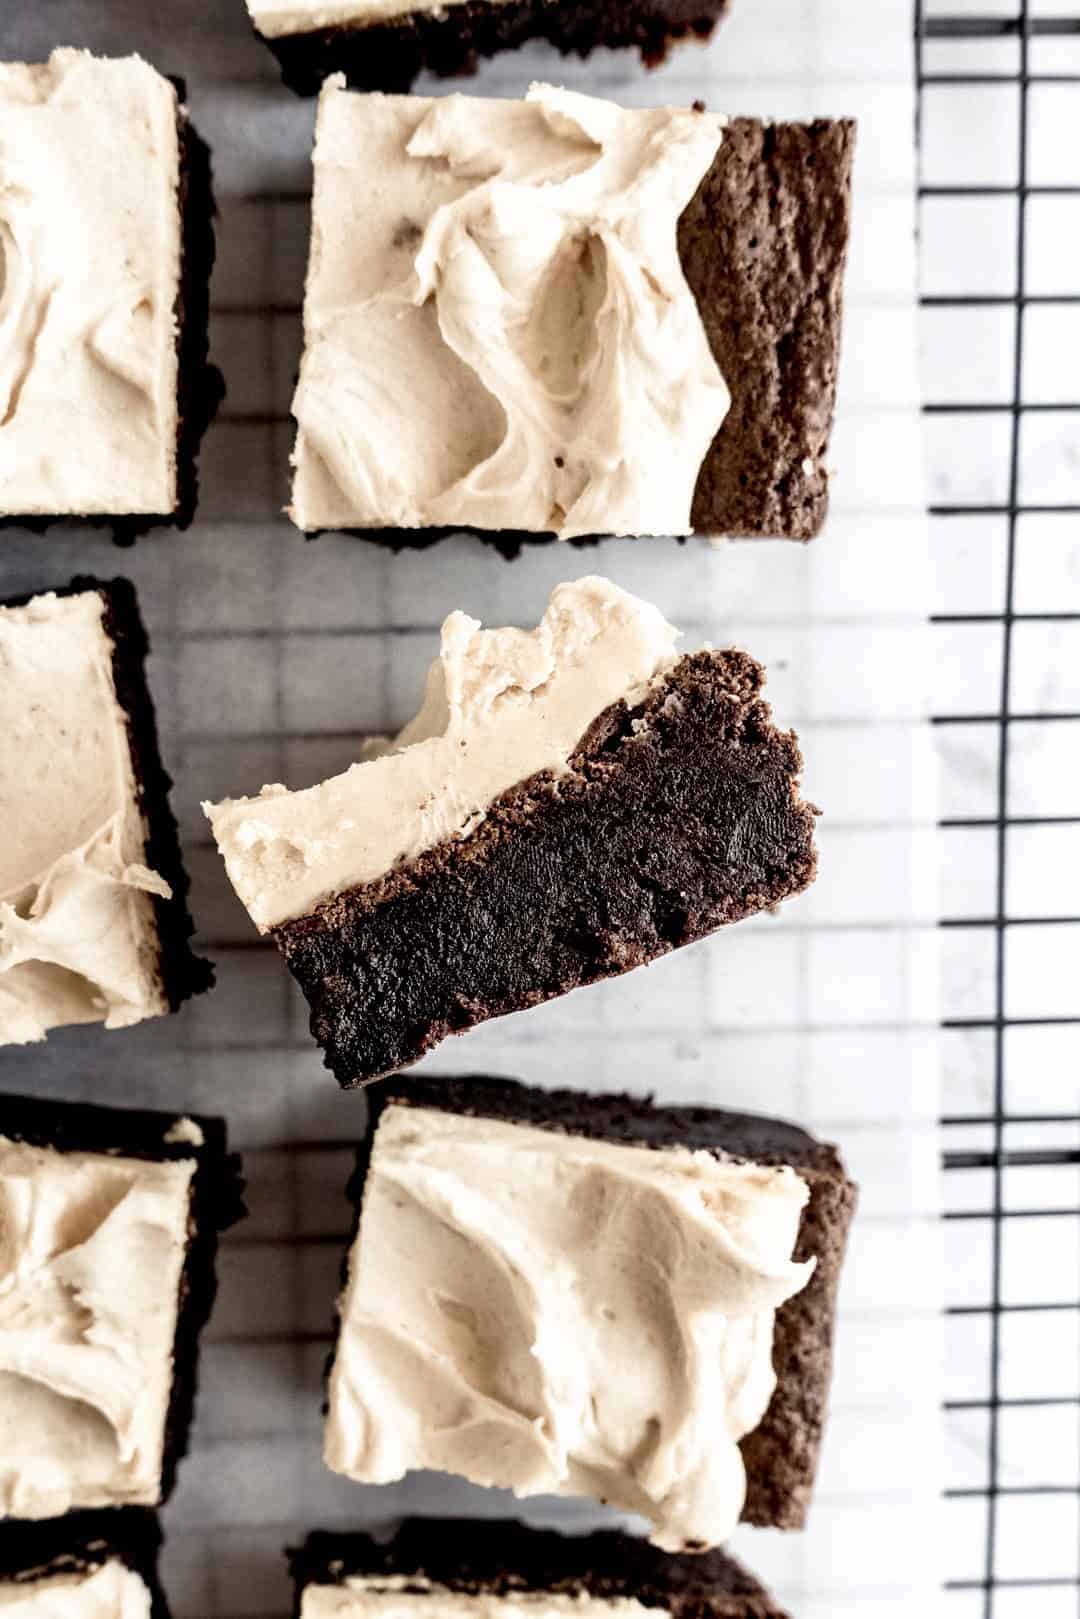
column 474, row 1557
column 201, row 386
column 82, row 1542
column 673, row 819
column 763, row 244
column 216, row 1204
column 182, row 973
column 781, row 1454
column 390, row 55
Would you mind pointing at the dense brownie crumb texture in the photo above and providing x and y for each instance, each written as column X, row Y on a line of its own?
column 503, row 1559
column 452, row 41
column 675, row 817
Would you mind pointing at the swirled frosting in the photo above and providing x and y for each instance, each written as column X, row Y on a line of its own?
column 109, row 1592
column 413, row 1597
column 91, row 1252
column 89, row 278
column 498, row 331
column 501, row 706
column 78, row 936
column 277, row 18
column 558, row 1315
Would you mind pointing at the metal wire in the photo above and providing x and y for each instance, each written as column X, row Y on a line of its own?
column 985, row 1593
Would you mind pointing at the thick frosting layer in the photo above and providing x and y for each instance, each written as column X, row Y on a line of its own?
column 78, row 935
column 277, row 18
column 501, row 706
column 109, row 1592
column 90, row 247
column 91, row 1252
column 498, row 331
column 556, row 1315
column 363, row 1598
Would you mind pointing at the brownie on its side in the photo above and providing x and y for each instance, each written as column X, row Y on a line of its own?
column 589, row 803
column 105, row 385
column 502, row 1562
column 100, row 1563
column 645, row 1286
column 112, row 1222
column 91, row 877
column 682, row 283
column 388, row 52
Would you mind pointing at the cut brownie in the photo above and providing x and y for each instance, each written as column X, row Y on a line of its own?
column 106, row 220
column 87, row 1565
column 455, row 1567
column 558, row 318
column 384, row 44
column 559, row 1293
column 110, row 1220
column 94, row 926
column 569, row 804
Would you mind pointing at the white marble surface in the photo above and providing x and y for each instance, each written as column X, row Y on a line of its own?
column 273, row 655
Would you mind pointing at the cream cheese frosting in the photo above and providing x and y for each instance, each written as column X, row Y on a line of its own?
column 90, row 251
column 112, row 1591
column 501, row 706
column 558, row 1315
column 91, row 1253
column 276, row 19
column 361, row 1597
column 78, row 935
column 498, row 330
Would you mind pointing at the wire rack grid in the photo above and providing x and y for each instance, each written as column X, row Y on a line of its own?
column 1000, row 215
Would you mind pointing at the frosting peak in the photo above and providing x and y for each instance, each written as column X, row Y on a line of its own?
column 529, row 284
column 558, row 1315
column 91, row 1250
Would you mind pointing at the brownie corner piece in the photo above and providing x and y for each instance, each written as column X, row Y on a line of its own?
column 391, row 51
column 110, row 208
column 134, row 1200
column 769, row 288
column 486, row 1142
column 91, row 875
column 119, row 1547
column 502, row 1561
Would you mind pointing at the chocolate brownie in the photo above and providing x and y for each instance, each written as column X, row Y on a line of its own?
column 81, row 1543
column 451, row 41
column 781, row 1454
column 504, row 1559
column 676, row 817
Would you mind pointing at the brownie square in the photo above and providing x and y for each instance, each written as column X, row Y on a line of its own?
column 426, row 890
column 110, row 1220
column 489, row 1215
column 452, row 381
column 505, row 1565
column 105, row 388
column 94, row 925
column 91, row 1562
column 385, row 47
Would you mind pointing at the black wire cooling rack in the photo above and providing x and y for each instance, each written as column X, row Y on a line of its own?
column 1014, row 1541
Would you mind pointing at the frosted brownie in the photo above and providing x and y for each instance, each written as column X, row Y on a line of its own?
column 87, row 1565
column 564, row 1294
column 110, row 1219
column 94, row 926
column 384, row 44
column 558, row 318
column 455, row 1568
column 568, row 804
column 106, row 247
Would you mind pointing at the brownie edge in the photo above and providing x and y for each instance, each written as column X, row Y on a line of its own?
column 452, row 41
column 80, row 1543
column 472, row 1557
